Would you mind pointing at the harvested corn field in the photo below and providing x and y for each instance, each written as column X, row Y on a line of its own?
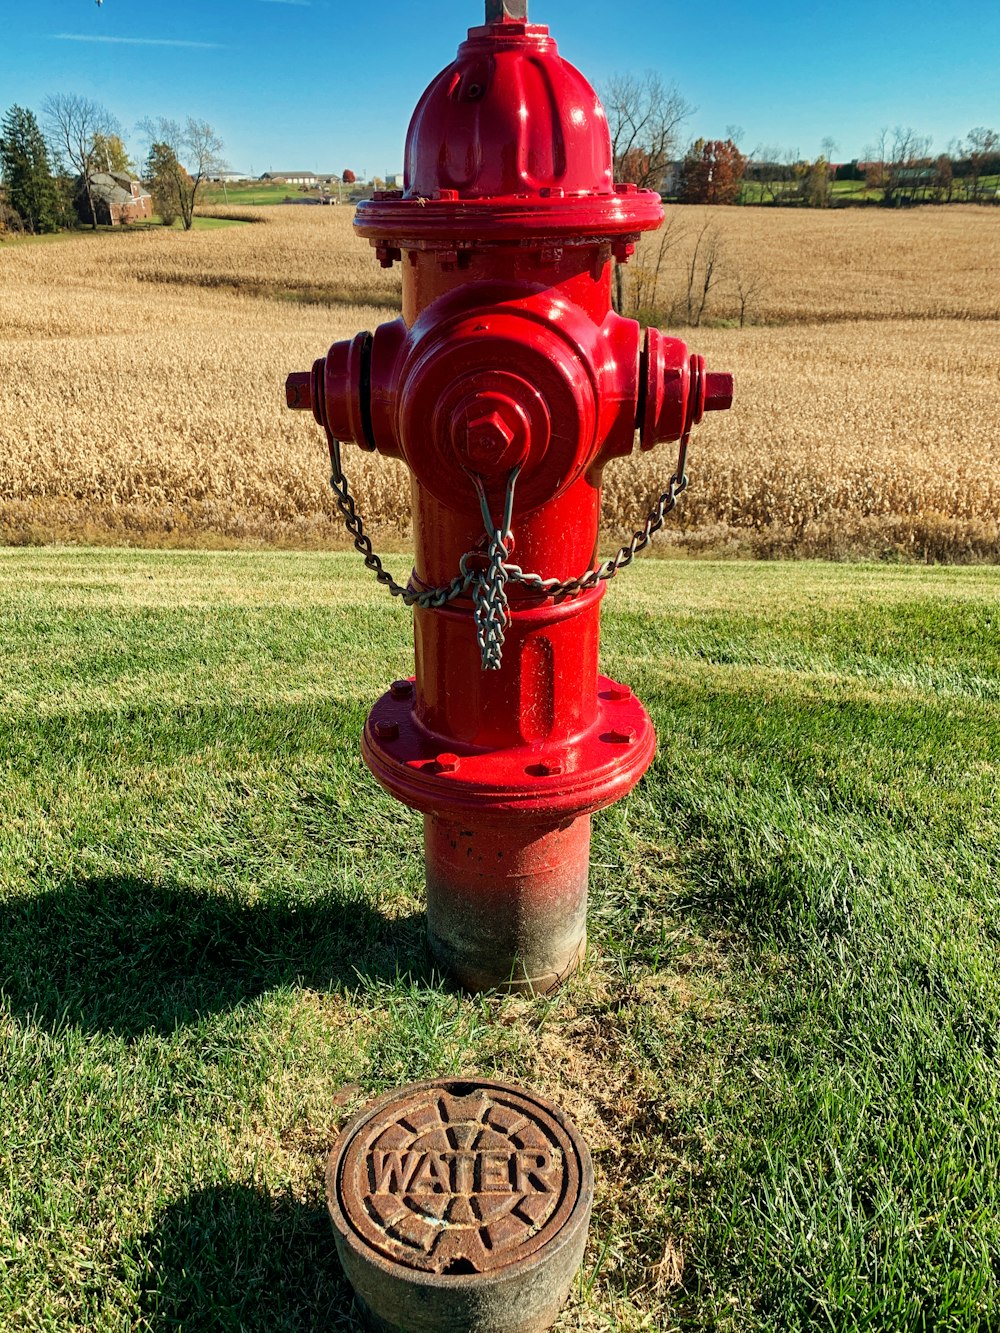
column 141, row 383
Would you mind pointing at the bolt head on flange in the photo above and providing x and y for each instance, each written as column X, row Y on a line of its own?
column 460, row 1205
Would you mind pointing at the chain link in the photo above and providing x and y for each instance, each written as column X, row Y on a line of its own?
column 489, row 591
column 488, row 583
column 362, row 543
column 603, row 573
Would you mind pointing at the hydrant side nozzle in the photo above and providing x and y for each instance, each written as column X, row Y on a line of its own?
column 676, row 390
column 298, row 391
column 338, row 391
column 718, row 391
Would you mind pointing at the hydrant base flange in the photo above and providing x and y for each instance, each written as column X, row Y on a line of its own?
column 535, row 783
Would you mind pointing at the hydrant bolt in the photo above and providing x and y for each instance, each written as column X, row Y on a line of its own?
column 298, row 391
column 490, row 433
column 498, row 10
column 619, row 693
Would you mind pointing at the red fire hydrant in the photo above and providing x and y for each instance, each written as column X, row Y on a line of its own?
column 507, row 386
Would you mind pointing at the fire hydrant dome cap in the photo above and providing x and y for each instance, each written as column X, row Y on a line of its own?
column 509, row 133
column 510, row 117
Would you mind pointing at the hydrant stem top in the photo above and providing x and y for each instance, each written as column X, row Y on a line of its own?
column 498, row 10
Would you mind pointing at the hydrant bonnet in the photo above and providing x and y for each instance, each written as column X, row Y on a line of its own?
column 509, row 140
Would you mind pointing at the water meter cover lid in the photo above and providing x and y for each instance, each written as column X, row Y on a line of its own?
column 450, row 1179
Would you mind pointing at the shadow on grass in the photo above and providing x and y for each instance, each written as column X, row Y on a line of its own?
column 232, row 1258
column 128, row 956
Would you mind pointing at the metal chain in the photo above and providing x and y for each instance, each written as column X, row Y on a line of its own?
column 603, row 573
column 362, row 543
column 488, row 584
column 489, row 591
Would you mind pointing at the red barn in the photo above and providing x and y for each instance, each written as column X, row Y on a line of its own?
column 118, row 199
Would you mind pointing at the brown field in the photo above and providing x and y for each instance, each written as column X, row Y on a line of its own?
column 141, row 380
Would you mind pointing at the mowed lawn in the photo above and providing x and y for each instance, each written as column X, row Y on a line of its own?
column 783, row 1048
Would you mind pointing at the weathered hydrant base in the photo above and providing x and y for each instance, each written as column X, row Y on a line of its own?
column 481, row 1318
column 459, row 1206
column 507, row 908
column 507, row 832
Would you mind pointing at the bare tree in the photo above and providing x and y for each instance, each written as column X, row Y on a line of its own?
column 197, row 150
column 644, row 119
column 648, row 270
column 76, row 128
column 763, row 172
column 750, row 282
column 982, row 154
column 772, row 170
column 704, row 273
column 894, row 159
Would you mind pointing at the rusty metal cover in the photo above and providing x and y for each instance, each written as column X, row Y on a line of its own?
column 453, row 1185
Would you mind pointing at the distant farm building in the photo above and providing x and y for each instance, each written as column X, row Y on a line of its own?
column 118, row 199
column 670, row 182
column 291, row 177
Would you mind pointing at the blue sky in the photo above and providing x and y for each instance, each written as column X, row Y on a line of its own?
column 323, row 84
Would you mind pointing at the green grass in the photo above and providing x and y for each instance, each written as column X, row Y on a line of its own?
column 753, row 192
column 255, row 194
column 783, row 1048
column 207, row 224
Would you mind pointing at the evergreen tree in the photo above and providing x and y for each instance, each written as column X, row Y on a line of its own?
column 24, row 162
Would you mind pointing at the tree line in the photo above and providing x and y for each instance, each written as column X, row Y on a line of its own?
column 899, row 168
column 646, row 118
column 48, row 165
